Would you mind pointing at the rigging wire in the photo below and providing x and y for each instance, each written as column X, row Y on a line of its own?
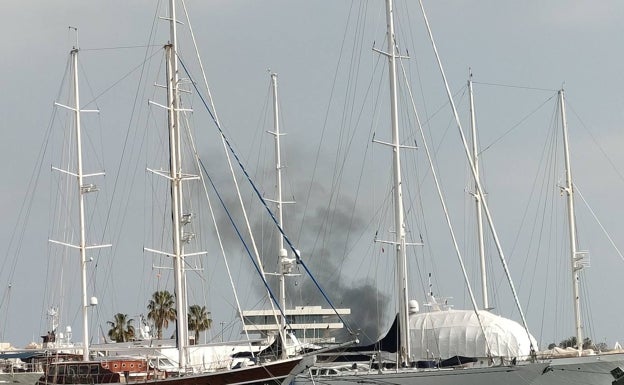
column 593, row 138
column 485, row 205
column 140, row 66
column 344, row 143
column 16, row 239
column 336, row 192
column 447, row 217
column 263, row 201
column 324, row 128
column 218, row 234
column 516, row 86
column 120, row 47
column 116, row 237
column 226, row 144
column 604, row 230
column 512, row 128
column 246, row 247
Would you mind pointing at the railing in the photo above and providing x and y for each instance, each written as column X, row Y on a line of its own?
column 12, row 367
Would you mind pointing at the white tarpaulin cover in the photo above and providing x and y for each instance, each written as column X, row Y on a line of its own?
column 447, row 333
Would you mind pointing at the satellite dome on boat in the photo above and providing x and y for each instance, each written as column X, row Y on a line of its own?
column 448, row 333
column 413, row 306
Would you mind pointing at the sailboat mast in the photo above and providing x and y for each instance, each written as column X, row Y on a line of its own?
column 81, row 210
column 477, row 197
column 282, row 254
column 399, row 223
column 575, row 256
column 175, row 159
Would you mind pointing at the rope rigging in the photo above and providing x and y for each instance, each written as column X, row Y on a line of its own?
column 264, row 203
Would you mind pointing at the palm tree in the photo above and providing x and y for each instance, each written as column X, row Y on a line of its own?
column 199, row 320
column 161, row 310
column 121, row 328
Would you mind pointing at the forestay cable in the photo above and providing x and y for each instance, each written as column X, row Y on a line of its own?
column 263, row 201
column 240, row 199
column 477, row 182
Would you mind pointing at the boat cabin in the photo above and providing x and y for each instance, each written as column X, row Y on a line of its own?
column 97, row 372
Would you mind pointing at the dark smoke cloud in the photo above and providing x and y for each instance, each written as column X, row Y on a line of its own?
column 330, row 228
column 326, row 234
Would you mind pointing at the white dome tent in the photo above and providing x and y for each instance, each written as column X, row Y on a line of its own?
column 447, row 333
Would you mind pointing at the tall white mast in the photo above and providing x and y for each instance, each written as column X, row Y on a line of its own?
column 399, row 223
column 284, row 264
column 278, row 184
column 82, row 190
column 575, row 256
column 176, row 177
column 477, row 197
column 81, row 209
column 175, row 159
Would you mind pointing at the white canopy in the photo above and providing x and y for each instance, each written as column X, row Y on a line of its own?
column 447, row 333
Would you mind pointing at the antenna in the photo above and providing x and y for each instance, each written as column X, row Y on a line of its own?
column 75, row 30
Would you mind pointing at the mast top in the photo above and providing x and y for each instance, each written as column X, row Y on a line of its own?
column 75, row 29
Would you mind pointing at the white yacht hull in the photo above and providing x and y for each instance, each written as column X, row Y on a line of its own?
column 28, row 378
column 594, row 370
column 589, row 370
column 507, row 375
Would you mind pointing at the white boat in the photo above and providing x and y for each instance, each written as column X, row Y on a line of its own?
column 23, row 366
column 446, row 346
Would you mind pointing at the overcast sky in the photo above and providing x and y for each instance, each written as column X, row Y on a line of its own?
column 311, row 45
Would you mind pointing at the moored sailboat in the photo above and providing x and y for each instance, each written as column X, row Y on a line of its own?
column 521, row 364
column 414, row 360
column 581, row 365
column 131, row 365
